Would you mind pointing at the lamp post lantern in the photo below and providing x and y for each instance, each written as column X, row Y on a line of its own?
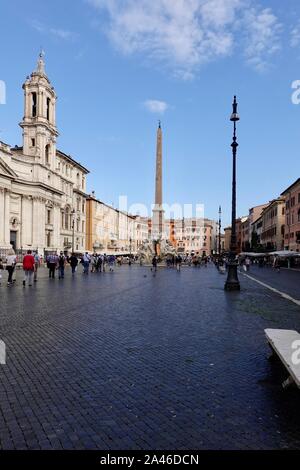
column 232, row 282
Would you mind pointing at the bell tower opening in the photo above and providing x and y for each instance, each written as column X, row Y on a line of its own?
column 47, row 154
column 48, row 109
column 34, row 104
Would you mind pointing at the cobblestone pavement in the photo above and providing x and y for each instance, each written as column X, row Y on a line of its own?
column 129, row 360
column 287, row 281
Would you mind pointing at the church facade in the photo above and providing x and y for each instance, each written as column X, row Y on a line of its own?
column 42, row 189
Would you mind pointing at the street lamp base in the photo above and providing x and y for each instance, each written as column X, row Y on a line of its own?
column 232, row 282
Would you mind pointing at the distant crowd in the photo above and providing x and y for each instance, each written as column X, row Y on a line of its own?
column 94, row 263
column 176, row 261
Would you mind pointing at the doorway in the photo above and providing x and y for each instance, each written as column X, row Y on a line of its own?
column 13, row 239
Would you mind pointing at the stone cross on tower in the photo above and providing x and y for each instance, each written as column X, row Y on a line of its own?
column 158, row 212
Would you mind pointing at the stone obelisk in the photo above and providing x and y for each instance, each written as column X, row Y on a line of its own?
column 158, row 212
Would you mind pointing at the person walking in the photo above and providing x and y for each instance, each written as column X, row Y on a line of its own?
column 28, row 268
column 154, row 263
column 86, row 262
column 111, row 263
column 37, row 263
column 247, row 263
column 11, row 261
column 51, row 264
column 61, row 265
column 73, row 263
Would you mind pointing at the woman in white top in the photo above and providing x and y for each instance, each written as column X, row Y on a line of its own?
column 11, row 261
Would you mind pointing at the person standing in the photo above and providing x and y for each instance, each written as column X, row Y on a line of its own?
column 74, row 263
column 276, row 264
column 61, row 265
column 37, row 263
column 178, row 261
column 104, row 263
column 94, row 261
column 99, row 264
column 51, row 264
column 11, row 261
column 247, row 263
column 1, row 269
column 28, row 267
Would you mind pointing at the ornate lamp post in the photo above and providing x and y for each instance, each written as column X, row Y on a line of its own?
column 73, row 230
column 219, row 248
column 232, row 282
column 130, row 240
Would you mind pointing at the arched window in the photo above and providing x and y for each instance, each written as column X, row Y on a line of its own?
column 298, row 215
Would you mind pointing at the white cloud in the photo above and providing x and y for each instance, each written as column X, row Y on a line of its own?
column 156, row 106
column 62, row 33
column 183, row 34
column 295, row 36
column 57, row 32
column 263, row 34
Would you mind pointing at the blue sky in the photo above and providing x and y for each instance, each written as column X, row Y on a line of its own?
column 119, row 66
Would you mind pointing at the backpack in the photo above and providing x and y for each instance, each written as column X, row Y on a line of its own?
column 61, row 261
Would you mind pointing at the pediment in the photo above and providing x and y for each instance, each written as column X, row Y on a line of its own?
column 6, row 170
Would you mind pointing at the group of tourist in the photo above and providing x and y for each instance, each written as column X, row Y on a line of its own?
column 31, row 263
column 55, row 263
column 245, row 263
column 261, row 262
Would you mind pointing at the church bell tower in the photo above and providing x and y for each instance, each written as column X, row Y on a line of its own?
column 39, row 127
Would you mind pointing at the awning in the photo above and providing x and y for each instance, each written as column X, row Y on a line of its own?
column 280, row 254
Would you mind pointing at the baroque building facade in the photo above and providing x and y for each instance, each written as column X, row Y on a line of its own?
column 292, row 216
column 109, row 230
column 193, row 235
column 42, row 189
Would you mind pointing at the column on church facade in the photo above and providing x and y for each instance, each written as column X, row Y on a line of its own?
column 2, row 218
column 27, row 222
column 27, row 105
column 39, row 219
column 56, row 240
column 6, row 217
column 40, row 103
column 52, row 111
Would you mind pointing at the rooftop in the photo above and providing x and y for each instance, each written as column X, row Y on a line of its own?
column 290, row 187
